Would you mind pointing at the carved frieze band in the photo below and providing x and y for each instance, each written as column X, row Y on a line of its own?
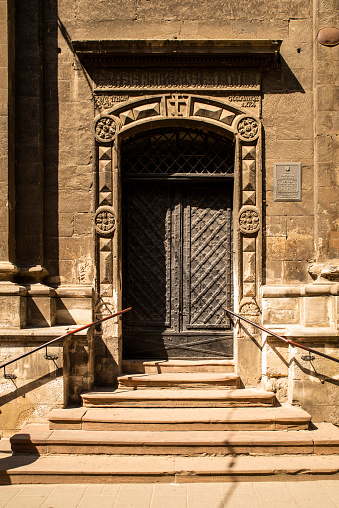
column 183, row 78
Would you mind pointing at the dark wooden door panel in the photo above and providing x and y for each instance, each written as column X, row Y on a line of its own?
column 207, row 262
column 177, row 271
column 147, row 255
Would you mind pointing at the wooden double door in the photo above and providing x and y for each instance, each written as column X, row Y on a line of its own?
column 177, row 268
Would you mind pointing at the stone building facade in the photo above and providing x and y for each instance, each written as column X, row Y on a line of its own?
column 96, row 98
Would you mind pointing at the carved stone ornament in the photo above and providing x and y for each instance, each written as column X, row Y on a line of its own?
column 105, row 129
column 324, row 271
column 248, row 128
column 249, row 306
column 105, row 221
column 249, row 220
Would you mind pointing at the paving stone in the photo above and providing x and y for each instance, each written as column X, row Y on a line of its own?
column 170, row 501
column 331, row 487
column 134, row 496
column 309, row 495
column 239, row 495
column 90, row 501
column 7, row 493
column 27, row 502
column 204, row 496
column 37, row 490
column 65, row 496
column 274, row 495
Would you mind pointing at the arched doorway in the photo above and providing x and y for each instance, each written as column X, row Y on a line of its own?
column 177, row 195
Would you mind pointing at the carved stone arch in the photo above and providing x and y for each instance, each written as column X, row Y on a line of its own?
column 145, row 113
column 210, row 112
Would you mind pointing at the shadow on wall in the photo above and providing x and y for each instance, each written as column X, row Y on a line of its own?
column 280, row 80
column 312, row 372
column 22, row 391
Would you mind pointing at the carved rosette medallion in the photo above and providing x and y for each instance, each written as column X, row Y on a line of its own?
column 105, row 129
column 105, row 221
column 248, row 128
column 249, row 220
column 249, row 306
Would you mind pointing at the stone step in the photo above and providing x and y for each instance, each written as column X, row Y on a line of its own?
column 178, row 398
column 39, row 439
column 20, row 469
column 167, row 366
column 179, row 380
column 252, row 418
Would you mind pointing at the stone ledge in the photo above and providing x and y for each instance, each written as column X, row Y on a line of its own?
column 40, row 333
column 300, row 290
column 12, row 289
column 303, row 333
column 74, row 291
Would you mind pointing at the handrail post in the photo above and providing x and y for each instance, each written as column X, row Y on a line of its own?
column 9, row 376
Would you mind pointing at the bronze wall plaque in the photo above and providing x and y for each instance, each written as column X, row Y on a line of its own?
column 287, row 181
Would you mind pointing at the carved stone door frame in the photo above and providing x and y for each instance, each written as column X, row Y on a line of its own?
column 190, row 111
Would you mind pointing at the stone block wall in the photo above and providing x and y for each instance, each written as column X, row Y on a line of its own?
column 307, row 315
column 41, row 384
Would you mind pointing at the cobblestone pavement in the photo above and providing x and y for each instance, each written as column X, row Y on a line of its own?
column 303, row 494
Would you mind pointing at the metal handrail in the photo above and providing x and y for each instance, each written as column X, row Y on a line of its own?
column 281, row 338
column 54, row 357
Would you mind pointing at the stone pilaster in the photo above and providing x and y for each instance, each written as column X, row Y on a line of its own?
column 7, row 143
column 29, row 141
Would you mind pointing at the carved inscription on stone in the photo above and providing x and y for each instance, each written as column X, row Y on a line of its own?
column 176, row 78
column 105, row 129
column 249, row 221
column 105, row 220
column 107, row 101
column 245, row 101
column 248, row 128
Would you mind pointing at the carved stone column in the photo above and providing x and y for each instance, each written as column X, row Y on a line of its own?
column 107, row 347
column 248, row 217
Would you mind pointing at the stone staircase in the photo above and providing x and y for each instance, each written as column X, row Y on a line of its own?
column 174, row 421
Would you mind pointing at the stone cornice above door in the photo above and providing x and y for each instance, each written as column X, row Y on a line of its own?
column 130, row 66
column 256, row 51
